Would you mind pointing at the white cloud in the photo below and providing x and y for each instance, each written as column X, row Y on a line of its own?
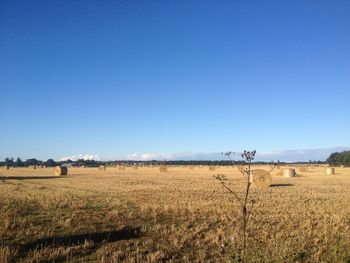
column 299, row 155
column 81, row 156
column 159, row 156
column 282, row 155
column 262, row 154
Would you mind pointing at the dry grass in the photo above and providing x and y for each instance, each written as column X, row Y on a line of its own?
column 102, row 168
column 304, row 169
column 184, row 216
column 163, row 169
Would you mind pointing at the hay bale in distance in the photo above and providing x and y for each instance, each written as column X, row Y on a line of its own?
column 288, row 172
column 163, row 169
column 61, row 170
column 261, row 178
column 330, row 170
column 211, row 168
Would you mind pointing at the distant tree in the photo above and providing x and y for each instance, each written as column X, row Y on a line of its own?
column 331, row 158
column 347, row 159
column 32, row 161
column 337, row 158
column 8, row 161
column 19, row 162
column 50, row 163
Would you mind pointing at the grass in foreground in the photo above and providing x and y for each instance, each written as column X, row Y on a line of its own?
column 181, row 216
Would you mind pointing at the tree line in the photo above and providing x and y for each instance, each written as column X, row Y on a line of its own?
column 336, row 158
column 93, row 163
column 339, row 158
column 19, row 163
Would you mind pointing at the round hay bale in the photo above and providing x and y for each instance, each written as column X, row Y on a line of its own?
column 211, row 168
column 288, row 172
column 163, row 169
column 330, row 170
column 261, row 178
column 61, row 170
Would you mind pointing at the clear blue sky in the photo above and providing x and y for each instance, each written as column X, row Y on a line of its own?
column 118, row 77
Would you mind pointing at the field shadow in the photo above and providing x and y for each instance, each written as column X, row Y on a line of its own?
column 98, row 238
column 280, row 185
column 5, row 178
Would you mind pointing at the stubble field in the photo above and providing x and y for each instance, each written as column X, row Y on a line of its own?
column 184, row 215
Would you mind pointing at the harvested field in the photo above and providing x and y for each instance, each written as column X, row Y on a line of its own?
column 181, row 216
